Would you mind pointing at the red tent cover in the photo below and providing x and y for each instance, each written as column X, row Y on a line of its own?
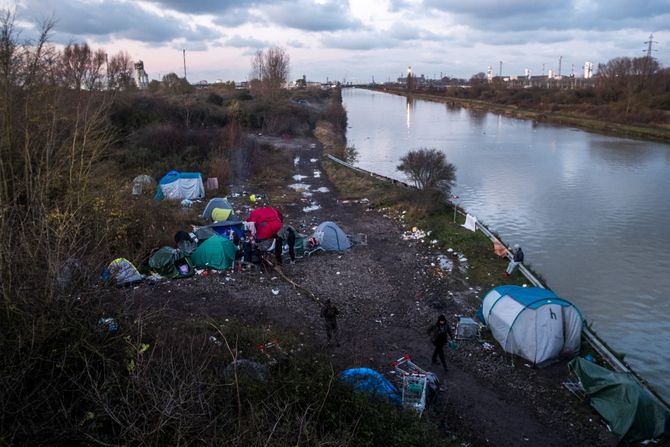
column 268, row 221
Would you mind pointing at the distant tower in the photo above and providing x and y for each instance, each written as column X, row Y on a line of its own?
column 588, row 70
column 550, row 74
column 500, row 72
column 489, row 74
column 560, row 60
column 141, row 77
column 409, row 78
column 527, row 72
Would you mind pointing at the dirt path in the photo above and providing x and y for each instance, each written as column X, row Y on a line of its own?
column 387, row 298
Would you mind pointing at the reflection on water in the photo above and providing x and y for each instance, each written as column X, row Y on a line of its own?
column 408, row 111
column 621, row 152
column 591, row 211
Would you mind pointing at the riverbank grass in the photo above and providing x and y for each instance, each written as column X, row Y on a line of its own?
column 485, row 267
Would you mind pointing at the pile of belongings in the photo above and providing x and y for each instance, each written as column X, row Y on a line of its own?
column 121, row 272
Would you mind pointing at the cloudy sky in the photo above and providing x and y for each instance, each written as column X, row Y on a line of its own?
column 357, row 39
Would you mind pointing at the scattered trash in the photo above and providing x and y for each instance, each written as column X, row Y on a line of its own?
column 487, row 346
column 445, row 263
column 317, row 174
column 296, row 160
column 365, row 200
column 313, row 160
column 186, row 203
column 299, row 177
column 415, row 234
column 312, row 207
column 214, row 340
column 299, row 186
column 275, row 291
column 108, row 324
column 322, row 189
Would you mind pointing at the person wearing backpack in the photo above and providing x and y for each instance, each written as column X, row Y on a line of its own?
column 329, row 314
column 440, row 333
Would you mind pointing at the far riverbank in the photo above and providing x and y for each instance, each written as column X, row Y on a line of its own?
column 651, row 133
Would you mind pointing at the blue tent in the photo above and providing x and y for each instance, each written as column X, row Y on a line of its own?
column 180, row 185
column 366, row 380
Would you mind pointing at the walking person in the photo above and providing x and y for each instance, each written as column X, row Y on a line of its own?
column 329, row 314
column 440, row 333
column 517, row 258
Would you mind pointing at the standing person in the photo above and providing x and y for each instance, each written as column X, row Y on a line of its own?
column 286, row 233
column 439, row 333
column 329, row 314
column 517, row 258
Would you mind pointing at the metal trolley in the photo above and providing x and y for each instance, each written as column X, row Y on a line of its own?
column 413, row 383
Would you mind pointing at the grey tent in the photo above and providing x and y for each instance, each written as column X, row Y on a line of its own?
column 142, row 183
column 221, row 204
column 331, row 237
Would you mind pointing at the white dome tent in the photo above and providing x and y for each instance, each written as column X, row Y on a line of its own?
column 533, row 323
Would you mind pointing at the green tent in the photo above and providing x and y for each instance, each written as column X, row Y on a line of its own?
column 631, row 411
column 171, row 263
column 216, row 252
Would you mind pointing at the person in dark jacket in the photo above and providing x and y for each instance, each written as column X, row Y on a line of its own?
column 329, row 314
column 517, row 258
column 440, row 333
column 286, row 233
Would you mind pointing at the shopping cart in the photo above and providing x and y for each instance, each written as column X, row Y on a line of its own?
column 413, row 383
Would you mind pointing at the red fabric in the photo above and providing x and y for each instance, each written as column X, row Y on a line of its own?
column 268, row 221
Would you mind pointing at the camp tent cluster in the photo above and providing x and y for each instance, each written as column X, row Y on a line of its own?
column 213, row 246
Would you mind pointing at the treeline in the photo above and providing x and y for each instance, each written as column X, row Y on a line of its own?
column 624, row 90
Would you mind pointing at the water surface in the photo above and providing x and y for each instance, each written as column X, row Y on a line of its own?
column 591, row 212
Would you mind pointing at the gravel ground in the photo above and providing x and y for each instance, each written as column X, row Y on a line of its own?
column 388, row 293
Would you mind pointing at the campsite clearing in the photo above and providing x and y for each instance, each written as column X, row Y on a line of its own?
column 388, row 292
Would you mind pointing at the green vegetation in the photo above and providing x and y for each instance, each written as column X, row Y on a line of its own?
column 71, row 140
column 485, row 267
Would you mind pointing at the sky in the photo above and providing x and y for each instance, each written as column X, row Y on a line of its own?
column 358, row 40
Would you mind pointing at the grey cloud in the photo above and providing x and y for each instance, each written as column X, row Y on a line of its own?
column 204, row 6
column 309, row 16
column 246, row 42
column 405, row 31
column 365, row 40
column 237, row 17
column 525, row 15
column 115, row 19
column 295, row 44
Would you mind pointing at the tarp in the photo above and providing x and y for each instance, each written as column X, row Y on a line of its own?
column 223, row 228
column 217, row 202
column 366, row 380
column 331, row 237
column 140, row 182
column 533, row 323
column 217, row 252
column 180, row 185
column 470, row 223
column 122, row 272
column 499, row 249
column 267, row 220
column 631, row 412
column 171, row 263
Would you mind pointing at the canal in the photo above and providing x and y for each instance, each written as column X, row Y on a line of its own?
column 591, row 212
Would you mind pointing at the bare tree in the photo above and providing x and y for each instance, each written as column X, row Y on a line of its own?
column 429, row 170
column 269, row 71
column 120, row 71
